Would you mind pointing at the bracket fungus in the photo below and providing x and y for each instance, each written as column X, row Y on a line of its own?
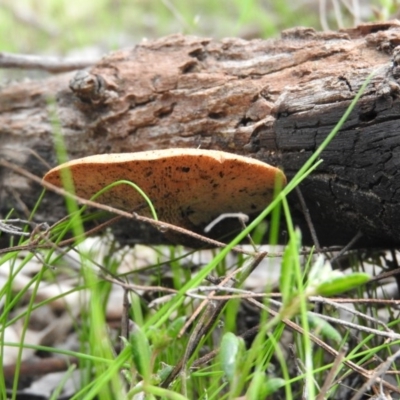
column 188, row 187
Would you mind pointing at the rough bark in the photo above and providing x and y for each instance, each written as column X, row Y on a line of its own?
column 275, row 100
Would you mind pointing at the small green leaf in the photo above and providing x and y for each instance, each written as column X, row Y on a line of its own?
column 141, row 352
column 162, row 374
column 261, row 386
column 272, row 385
column 125, row 341
column 175, row 327
column 324, row 328
column 232, row 348
column 341, row 283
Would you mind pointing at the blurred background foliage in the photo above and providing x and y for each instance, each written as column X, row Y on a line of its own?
column 88, row 28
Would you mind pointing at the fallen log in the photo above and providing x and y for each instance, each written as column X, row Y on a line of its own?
column 275, row 100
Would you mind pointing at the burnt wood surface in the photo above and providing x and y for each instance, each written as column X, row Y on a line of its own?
column 275, row 100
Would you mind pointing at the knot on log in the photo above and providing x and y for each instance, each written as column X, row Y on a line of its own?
column 91, row 88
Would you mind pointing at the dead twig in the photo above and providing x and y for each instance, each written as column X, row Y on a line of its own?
column 7, row 227
column 43, row 63
column 376, row 376
column 322, row 395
